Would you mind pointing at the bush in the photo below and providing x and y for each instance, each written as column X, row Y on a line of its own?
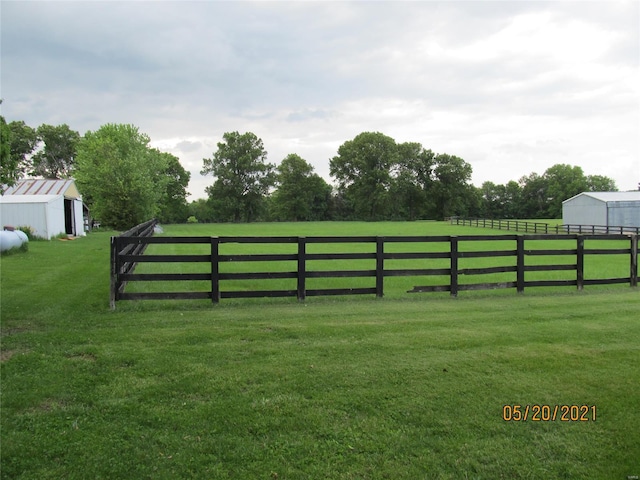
column 29, row 232
column 192, row 219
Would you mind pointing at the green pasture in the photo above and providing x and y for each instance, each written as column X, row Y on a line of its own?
column 407, row 386
column 596, row 266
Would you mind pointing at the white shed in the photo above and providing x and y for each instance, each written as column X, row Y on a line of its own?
column 611, row 209
column 49, row 207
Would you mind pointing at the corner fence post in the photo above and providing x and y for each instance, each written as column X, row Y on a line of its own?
column 379, row 267
column 302, row 268
column 633, row 278
column 520, row 264
column 580, row 262
column 215, row 270
column 454, row 266
column 114, row 274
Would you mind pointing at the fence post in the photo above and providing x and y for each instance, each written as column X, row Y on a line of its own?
column 215, row 270
column 520, row 264
column 114, row 274
column 580, row 262
column 454, row 266
column 302, row 268
column 379, row 267
column 633, row 278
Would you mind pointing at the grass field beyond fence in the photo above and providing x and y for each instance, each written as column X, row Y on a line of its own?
column 407, row 386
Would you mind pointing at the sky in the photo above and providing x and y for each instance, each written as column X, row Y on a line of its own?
column 512, row 87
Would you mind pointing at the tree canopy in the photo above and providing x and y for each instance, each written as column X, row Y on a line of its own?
column 173, row 206
column 300, row 194
column 121, row 178
column 363, row 171
column 56, row 158
column 243, row 177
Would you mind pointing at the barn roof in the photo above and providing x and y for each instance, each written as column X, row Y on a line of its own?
column 42, row 186
column 611, row 196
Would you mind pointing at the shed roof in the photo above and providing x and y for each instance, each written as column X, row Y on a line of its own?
column 43, row 186
column 611, row 196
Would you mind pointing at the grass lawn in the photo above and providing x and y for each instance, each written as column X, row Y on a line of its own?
column 408, row 386
column 596, row 266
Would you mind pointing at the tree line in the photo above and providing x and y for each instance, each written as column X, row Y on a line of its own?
column 376, row 178
column 124, row 181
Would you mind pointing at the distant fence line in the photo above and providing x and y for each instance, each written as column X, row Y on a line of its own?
column 127, row 251
column 540, row 227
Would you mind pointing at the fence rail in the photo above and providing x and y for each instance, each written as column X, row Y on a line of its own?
column 541, row 227
column 124, row 256
column 128, row 251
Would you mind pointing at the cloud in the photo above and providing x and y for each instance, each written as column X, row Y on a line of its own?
column 479, row 79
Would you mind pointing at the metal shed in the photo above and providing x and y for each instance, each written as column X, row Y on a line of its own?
column 49, row 207
column 611, row 209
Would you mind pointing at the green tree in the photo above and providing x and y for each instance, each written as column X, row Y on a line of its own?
column 599, row 183
column 492, row 200
column 119, row 177
column 500, row 201
column 24, row 141
column 512, row 200
column 412, row 182
column 453, row 193
column 563, row 182
column 243, row 177
column 363, row 171
column 534, row 195
column 202, row 210
column 56, row 159
column 9, row 168
column 301, row 195
column 173, row 206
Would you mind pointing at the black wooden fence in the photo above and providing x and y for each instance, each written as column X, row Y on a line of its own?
column 527, row 226
column 120, row 250
column 128, row 251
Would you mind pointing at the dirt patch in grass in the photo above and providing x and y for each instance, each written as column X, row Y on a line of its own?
column 5, row 332
column 88, row 357
column 6, row 355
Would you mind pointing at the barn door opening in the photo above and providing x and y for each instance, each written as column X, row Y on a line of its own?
column 69, row 227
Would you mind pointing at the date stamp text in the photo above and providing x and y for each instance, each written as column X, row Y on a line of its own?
column 549, row 413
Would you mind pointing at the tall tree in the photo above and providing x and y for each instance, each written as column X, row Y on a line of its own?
column 412, row 182
column 453, row 193
column 363, row 171
column 563, row 182
column 492, row 200
column 243, row 177
column 173, row 206
column 599, row 183
column 56, row 159
column 534, row 195
column 301, row 194
column 120, row 177
column 512, row 200
column 24, row 140
column 9, row 172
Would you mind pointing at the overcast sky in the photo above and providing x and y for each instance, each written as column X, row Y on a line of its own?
column 512, row 87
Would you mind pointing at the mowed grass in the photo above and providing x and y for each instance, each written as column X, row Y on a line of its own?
column 596, row 266
column 408, row 386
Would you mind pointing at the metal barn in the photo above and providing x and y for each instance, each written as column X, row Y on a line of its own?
column 611, row 209
column 49, row 207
